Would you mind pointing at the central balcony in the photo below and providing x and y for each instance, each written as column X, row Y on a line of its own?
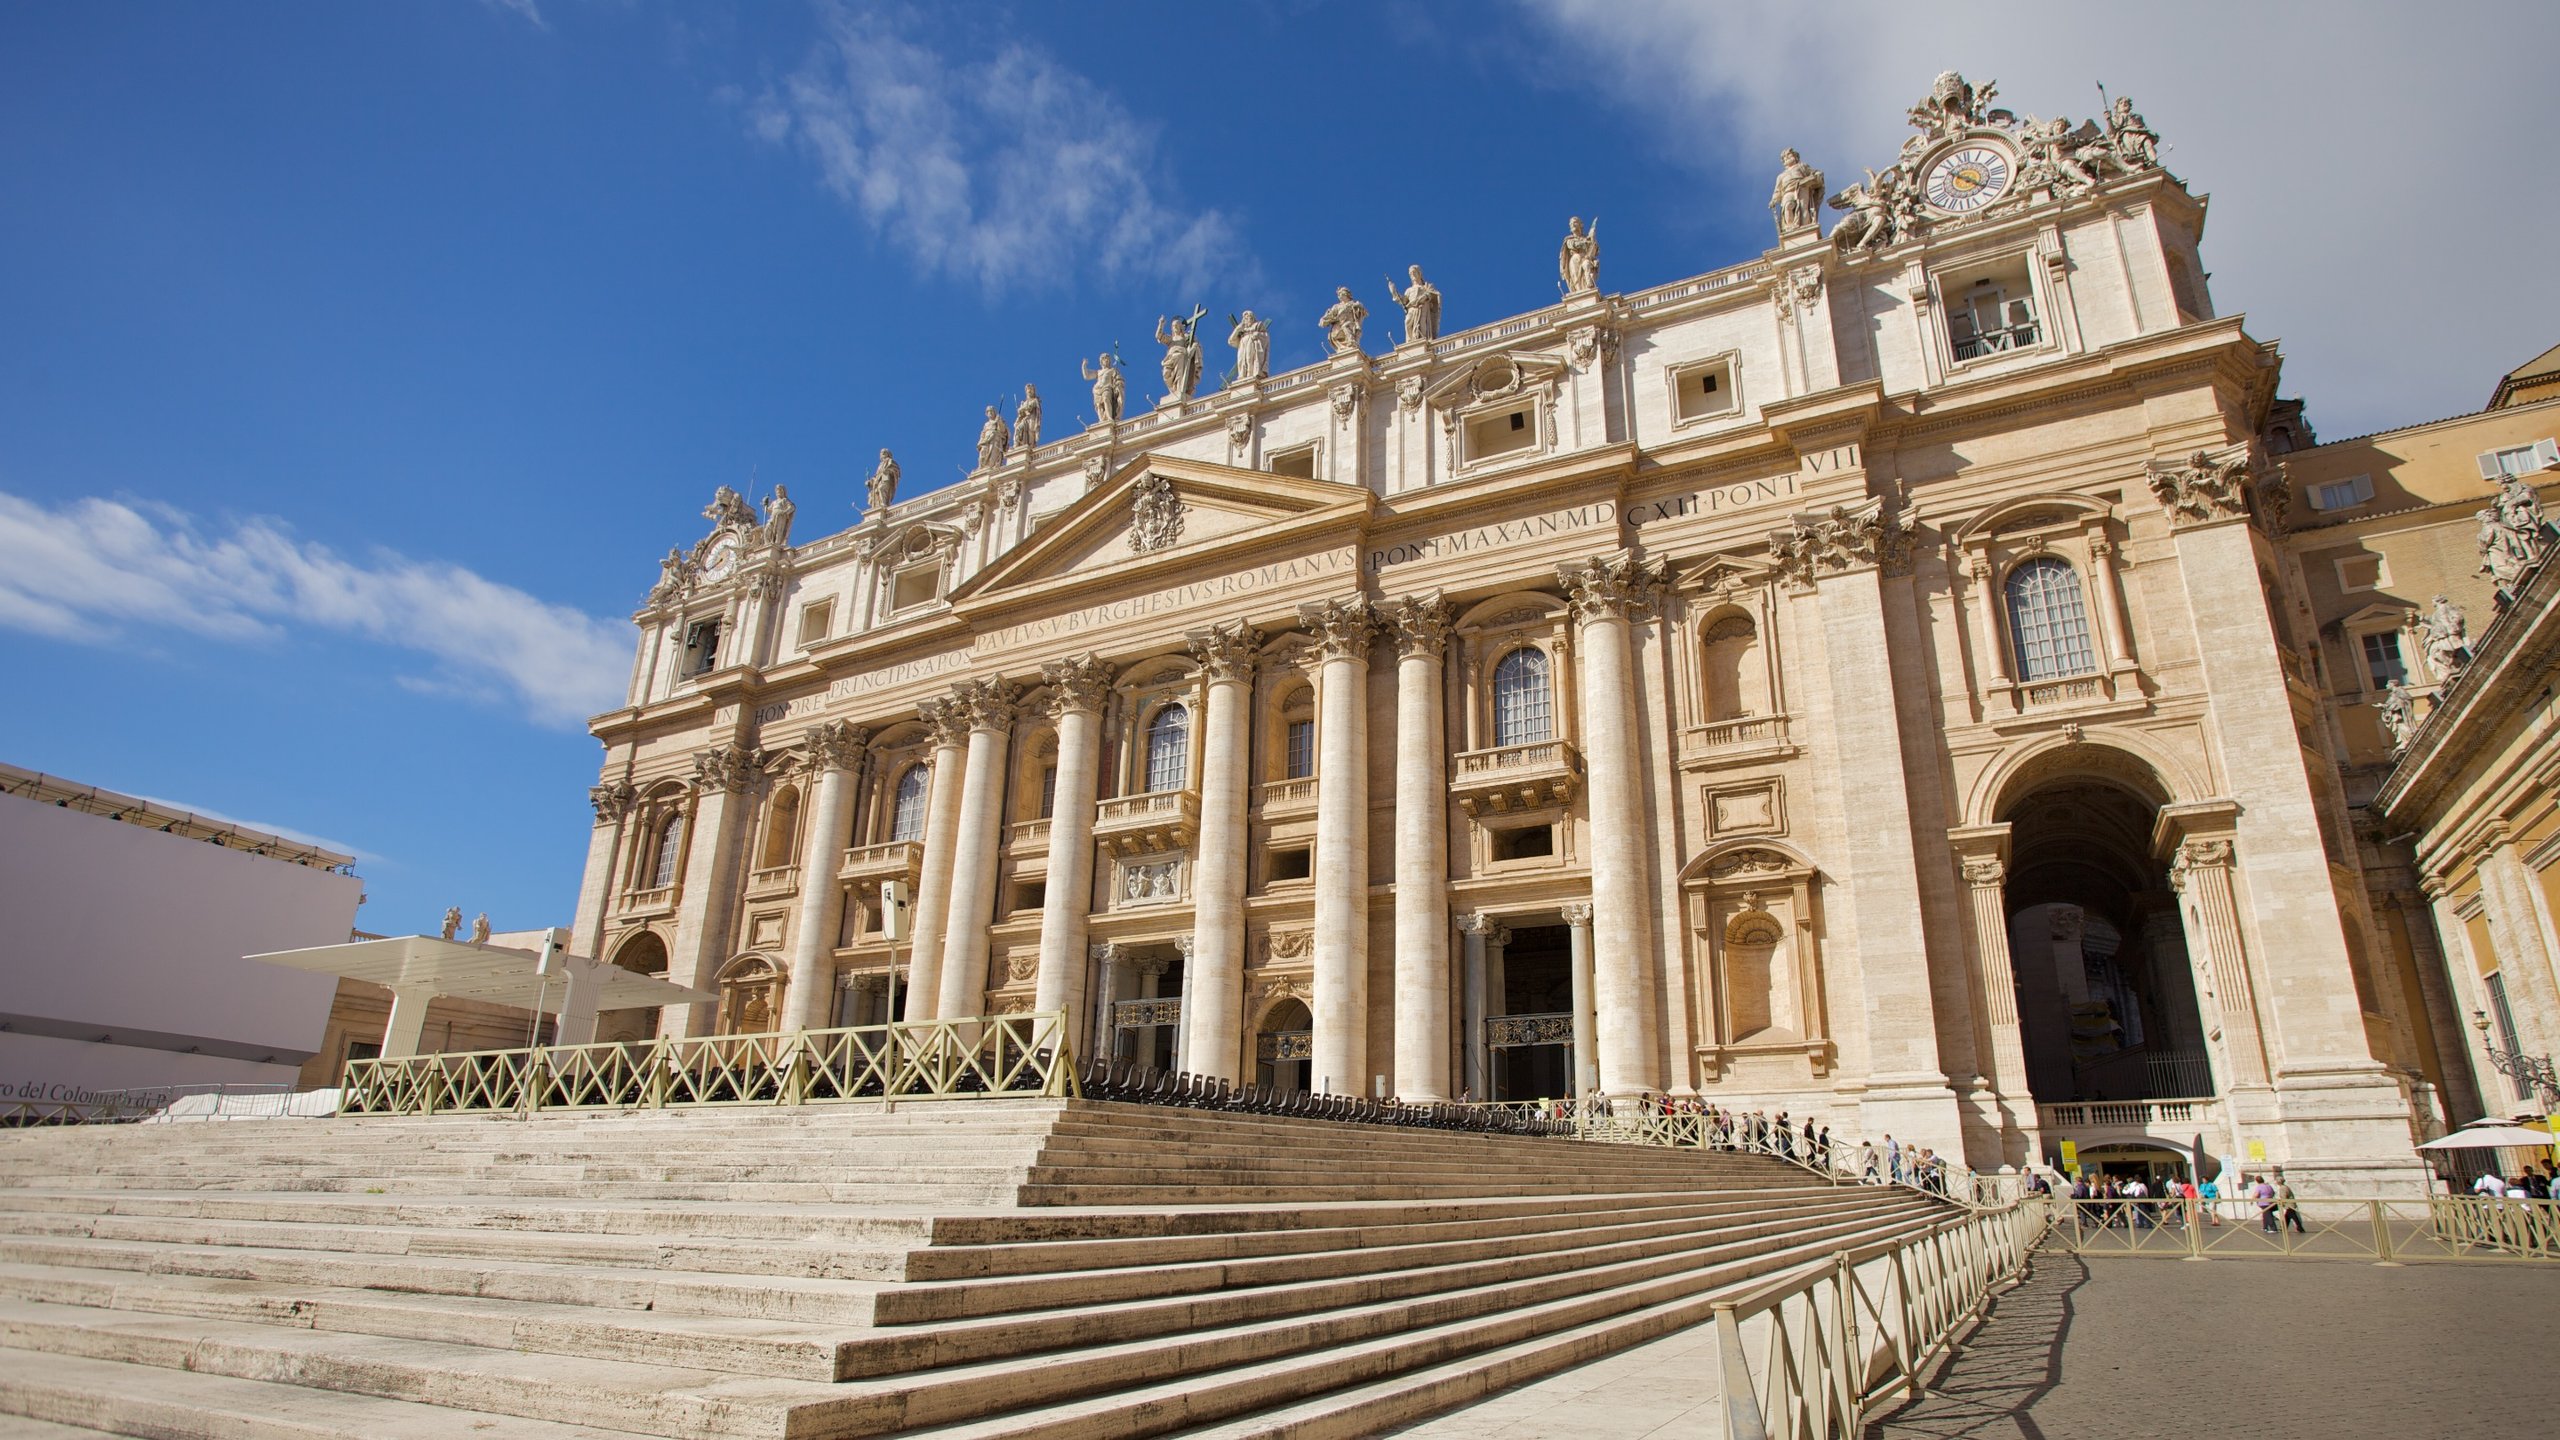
column 1148, row 824
column 897, row 860
column 1516, row 777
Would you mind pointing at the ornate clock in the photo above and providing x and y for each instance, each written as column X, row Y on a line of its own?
column 1967, row 178
column 721, row 559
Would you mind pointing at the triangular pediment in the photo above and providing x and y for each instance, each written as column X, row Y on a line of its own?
column 1157, row 510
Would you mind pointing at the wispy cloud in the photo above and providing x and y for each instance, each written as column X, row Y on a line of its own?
column 286, row 832
column 1012, row 170
column 525, row 10
column 2307, row 123
column 101, row 571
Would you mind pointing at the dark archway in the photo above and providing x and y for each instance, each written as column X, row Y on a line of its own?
column 643, row 954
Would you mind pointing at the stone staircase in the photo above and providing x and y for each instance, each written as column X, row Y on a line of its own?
column 992, row 1268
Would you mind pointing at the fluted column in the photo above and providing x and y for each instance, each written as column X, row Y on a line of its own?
column 1983, row 855
column 720, row 778
column 1106, row 964
column 606, row 847
column 1475, row 927
column 1341, row 1044
column 1577, row 915
column 1213, row 987
column 1076, row 691
column 941, row 837
column 834, row 748
column 1421, row 627
column 2202, row 873
column 987, row 706
column 1604, row 591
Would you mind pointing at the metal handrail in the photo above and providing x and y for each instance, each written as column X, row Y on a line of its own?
column 990, row 1056
column 2393, row 1229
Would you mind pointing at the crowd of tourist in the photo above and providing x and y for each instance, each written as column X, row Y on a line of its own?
column 2531, row 1184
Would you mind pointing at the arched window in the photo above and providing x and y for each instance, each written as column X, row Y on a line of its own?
column 1733, row 681
column 906, row 805
column 1522, row 714
column 1168, row 749
column 2048, row 624
column 662, row 860
column 781, row 830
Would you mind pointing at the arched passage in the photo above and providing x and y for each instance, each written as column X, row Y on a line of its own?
column 2107, row 1006
column 643, row 954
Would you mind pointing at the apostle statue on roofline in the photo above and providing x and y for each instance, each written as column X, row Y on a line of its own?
column 1578, row 259
column 1252, row 339
column 1421, row 303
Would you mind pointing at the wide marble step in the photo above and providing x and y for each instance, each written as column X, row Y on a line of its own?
column 93, row 1397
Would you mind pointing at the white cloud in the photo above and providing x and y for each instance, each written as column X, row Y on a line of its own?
column 525, row 10
column 95, row 571
column 1011, row 170
column 2376, row 168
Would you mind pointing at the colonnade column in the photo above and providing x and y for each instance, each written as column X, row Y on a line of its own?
column 1213, row 983
column 1106, row 964
column 1421, row 626
column 1341, row 1043
column 2102, row 569
column 1586, row 1067
column 1983, row 854
column 1475, row 927
column 987, row 708
column 834, row 748
column 1076, row 691
column 720, row 778
column 941, row 838
column 1604, row 591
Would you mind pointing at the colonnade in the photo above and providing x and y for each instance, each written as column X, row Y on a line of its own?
column 964, row 824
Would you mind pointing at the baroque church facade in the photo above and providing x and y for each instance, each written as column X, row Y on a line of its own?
column 1860, row 681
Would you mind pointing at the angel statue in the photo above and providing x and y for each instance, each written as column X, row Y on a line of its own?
column 1181, row 355
column 728, row 507
column 2136, row 144
column 1578, row 259
column 1342, row 321
column 993, row 440
column 1252, row 339
column 670, row 584
column 884, row 480
column 1874, row 220
column 1026, row 418
column 1110, row 392
column 1421, row 302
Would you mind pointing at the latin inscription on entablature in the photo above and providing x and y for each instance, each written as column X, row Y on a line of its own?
column 1181, row 600
column 1496, row 537
column 903, row 673
column 1714, row 500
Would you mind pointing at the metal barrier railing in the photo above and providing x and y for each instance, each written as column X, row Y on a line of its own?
column 985, row 1056
column 1837, row 1337
column 2378, row 1228
column 144, row 1103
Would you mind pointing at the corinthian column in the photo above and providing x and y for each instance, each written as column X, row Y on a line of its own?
column 1475, row 926
column 1422, row 851
column 1604, row 591
column 987, row 706
column 1585, row 1072
column 1076, row 691
column 834, row 748
column 1341, row 1048
column 1213, row 978
column 720, row 778
column 1995, row 1009
column 941, row 836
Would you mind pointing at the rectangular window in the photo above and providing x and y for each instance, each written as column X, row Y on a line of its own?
column 1524, row 843
column 2383, row 666
column 1293, row 864
column 1301, row 758
column 1508, row 433
column 2361, row 572
column 2506, row 1021
column 1701, row 392
column 1048, row 792
column 1030, row 895
column 815, row 621
column 1300, row 462
column 701, row 648
column 2530, row 459
column 2342, row 494
column 916, row 585
column 1991, row 309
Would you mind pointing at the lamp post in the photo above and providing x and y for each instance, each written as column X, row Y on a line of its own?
column 2532, row 1072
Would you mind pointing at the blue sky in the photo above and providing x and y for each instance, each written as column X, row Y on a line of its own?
column 356, row 361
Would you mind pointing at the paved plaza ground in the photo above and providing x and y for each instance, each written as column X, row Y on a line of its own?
column 2267, row 1349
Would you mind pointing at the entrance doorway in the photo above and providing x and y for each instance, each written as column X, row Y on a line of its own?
column 1146, row 1018
column 1529, row 1037
column 642, row 954
column 1284, row 1047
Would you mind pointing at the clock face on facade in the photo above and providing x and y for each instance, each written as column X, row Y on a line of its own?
column 1967, row 178
column 722, row 559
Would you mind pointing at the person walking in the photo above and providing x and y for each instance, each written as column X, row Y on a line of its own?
column 1893, row 1157
column 2285, row 1203
column 2265, row 1195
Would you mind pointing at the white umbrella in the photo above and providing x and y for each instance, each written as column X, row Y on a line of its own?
column 2491, row 1135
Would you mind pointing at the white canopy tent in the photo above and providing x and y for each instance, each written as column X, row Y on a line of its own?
column 418, row 968
column 2492, row 1134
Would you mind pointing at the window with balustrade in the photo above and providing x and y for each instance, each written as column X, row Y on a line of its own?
column 668, row 846
column 906, row 804
column 1168, row 749
column 2049, row 621
column 1523, row 703
column 1298, row 759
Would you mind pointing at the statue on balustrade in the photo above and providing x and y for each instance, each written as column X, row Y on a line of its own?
column 1421, row 303
column 1252, row 339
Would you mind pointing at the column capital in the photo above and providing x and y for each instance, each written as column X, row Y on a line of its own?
column 1577, row 913
column 2209, row 488
column 1420, row 624
column 2199, row 854
column 613, row 800
column 1226, row 652
column 1102, row 951
column 1817, row 543
column 835, row 745
column 729, row 768
column 1610, row 587
column 985, row 704
column 1341, row 627
column 1476, row 922
column 949, row 726
column 1985, row 872
column 1077, row 683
